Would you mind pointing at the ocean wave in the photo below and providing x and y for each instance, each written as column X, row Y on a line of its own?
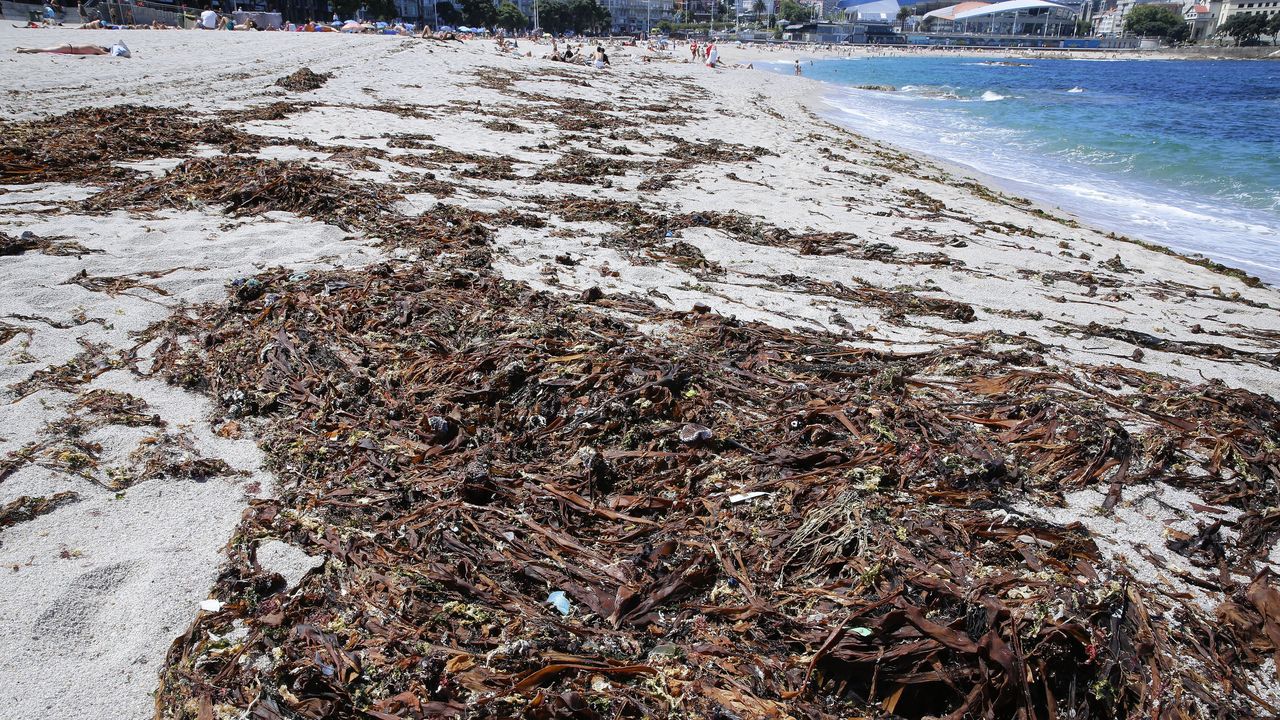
column 1076, row 89
column 946, row 92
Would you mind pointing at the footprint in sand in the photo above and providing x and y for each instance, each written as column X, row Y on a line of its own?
column 71, row 617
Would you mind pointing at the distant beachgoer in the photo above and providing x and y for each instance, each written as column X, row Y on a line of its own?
column 208, row 19
column 798, row 67
column 600, row 59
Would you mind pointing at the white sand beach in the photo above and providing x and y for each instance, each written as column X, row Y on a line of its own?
column 95, row 590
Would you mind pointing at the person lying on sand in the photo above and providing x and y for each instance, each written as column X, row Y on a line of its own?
column 442, row 36
column 229, row 24
column 100, row 25
column 69, row 49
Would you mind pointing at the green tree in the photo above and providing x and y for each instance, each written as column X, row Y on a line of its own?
column 551, row 15
column 1245, row 29
column 757, row 7
column 1273, row 28
column 903, row 14
column 345, row 8
column 792, row 11
column 447, row 14
column 580, row 16
column 589, row 16
column 381, row 9
column 1156, row 21
column 479, row 13
column 510, row 18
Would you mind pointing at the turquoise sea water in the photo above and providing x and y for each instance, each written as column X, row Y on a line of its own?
column 1183, row 153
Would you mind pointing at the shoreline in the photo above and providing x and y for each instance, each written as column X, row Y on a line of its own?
column 808, row 50
column 648, row 198
column 1009, row 187
column 825, row 103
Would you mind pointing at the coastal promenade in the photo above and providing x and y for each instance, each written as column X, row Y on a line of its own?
column 638, row 207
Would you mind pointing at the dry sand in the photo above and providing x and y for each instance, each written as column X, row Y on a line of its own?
column 96, row 590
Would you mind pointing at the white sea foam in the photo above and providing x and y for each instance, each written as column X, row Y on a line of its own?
column 992, row 96
column 1076, row 89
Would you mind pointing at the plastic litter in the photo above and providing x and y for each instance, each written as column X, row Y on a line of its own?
column 560, row 602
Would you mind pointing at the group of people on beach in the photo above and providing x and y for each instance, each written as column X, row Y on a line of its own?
column 710, row 54
column 209, row 19
column 599, row 59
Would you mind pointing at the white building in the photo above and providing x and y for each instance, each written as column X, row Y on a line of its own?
column 1248, row 7
column 879, row 11
column 1018, row 17
column 1107, row 23
column 1202, row 20
column 943, row 19
column 633, row 16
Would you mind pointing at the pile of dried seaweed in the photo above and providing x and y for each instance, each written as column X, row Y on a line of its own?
column 643, row 228
column 30, row 242
column 84, row 145
column 583, row 168
column 247, row 186
column 27, row 508
column 67, row 445
column 713, row 151
column 529, row 509
column 303, row 79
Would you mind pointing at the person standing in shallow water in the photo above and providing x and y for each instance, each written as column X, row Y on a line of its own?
column 797, row 67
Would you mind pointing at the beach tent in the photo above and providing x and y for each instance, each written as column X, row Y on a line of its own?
column 876, row 11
